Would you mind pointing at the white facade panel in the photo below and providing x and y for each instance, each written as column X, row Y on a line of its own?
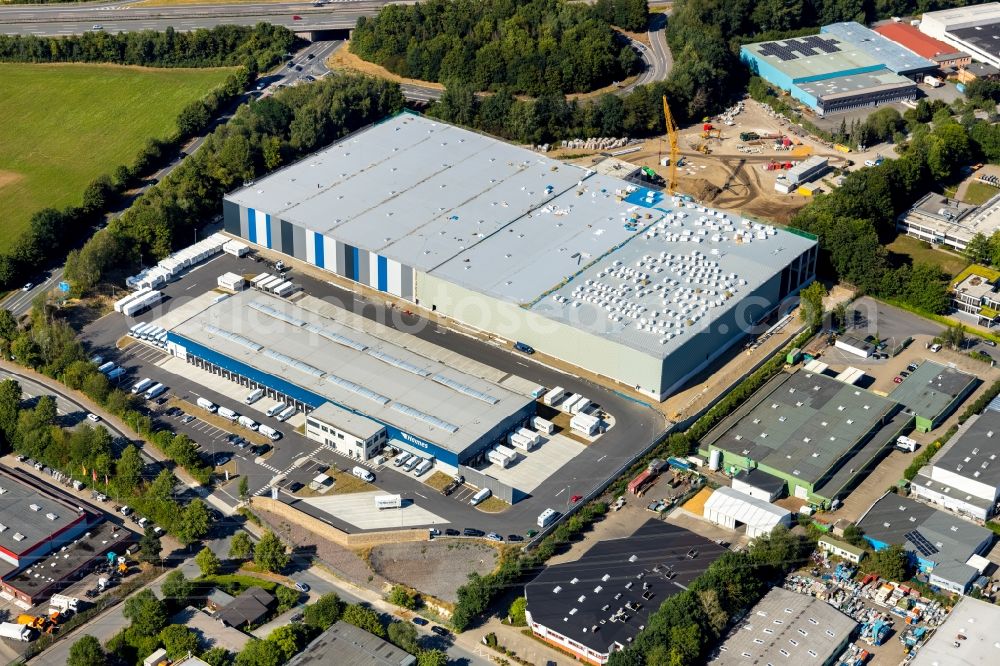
column 260, row 221
column 330, row 258
column 372, row 269
column 395, row 278
column 311, row 246
column 964, row 484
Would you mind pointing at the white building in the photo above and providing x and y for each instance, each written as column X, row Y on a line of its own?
column 350, row 434
column 974, row 29
column 965, row 475
column 731, row 508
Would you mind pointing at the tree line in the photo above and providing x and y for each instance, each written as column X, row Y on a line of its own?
column 261, row 136
column 529, row 46
column 257, row 47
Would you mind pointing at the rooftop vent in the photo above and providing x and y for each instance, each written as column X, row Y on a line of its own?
column 34, row 507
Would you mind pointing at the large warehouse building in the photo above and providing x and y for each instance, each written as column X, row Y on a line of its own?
column 974, row 29
column 306, row 358
column 615, row 279
column 818, row 434
column 925, row 46
column 965, row 475
column 845, row 67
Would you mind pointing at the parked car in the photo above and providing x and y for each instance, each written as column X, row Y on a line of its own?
column 28, row 287
column 991, row 343
column 296, row 618
column 524, row 348
column 93, row 417
column 187, row 418
column 493, row 536
column 473, row 532
column 301, row 587
column 452, row 532
column 440, row 631
column 514, row 538
column 419, row 621
column 575, row 498
column 912, row 367
column 904, row 374
column 897, row 380
column 530, row 533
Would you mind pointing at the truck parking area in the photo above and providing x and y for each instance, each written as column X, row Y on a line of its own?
column 542, row 474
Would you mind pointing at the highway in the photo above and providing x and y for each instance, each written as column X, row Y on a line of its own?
column 121, row 17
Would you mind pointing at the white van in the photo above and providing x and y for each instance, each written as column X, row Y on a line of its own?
column 423, row 467
column 274, row 409
column 412, row 463
column 273, row 434
column 141, row 385
column 155, row 390
column 480, row 496
column 402, row 458
column 248, row 422
column 254, row 396
column 207, row 404
column 363, row 474
column 286, row 413
column 227, row 413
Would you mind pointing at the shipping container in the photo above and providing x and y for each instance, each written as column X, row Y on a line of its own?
column 637, row 484
column 207, row 404
column 542, row 425
column 554, row 396
column 498, row 458
column 545, row 518
column 388, row 501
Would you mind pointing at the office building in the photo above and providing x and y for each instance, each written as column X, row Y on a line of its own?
column 933, row 392
column 974, row 29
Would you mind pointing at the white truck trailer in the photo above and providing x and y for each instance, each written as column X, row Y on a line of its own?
column 554, row 396
column 388, row 501
column 567, row 404
column 530, row 435
column 14, row 631
column 542, row 425
column 498, row 458
column 519, row 441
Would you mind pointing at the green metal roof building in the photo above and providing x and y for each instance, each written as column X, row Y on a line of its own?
column 818, row 434
column 932, row 392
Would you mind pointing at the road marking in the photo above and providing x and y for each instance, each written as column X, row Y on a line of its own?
column 560, row 492
column 416, row 493
column 602, row 458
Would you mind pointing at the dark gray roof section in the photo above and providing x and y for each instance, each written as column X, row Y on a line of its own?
column 803, row 424
column 952, row 541
column 28, row 517
column 974, row 452
column 932, row 388
column 578, row 599
column 985, row 37
column 251, row 607
column 762, row 480
column 352, row 647
column 785, row 627
column 982, row 69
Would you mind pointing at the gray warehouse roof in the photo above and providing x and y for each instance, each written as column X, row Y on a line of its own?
column 931, row 534
column 976, row 620
column 785, row 627
column 505, row 221
column 352, row 647
column 931, row 388
column 973, row 453
column 29, row 517
column 353, row 368
column 802, row 424
column 894, row 56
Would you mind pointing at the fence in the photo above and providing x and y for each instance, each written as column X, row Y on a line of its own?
column 481, row 480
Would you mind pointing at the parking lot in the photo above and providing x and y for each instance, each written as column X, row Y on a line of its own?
column 533, row 467
column 555, row 467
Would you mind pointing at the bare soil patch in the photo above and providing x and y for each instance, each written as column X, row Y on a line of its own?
column 437, row 568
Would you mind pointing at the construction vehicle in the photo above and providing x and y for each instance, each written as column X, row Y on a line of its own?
column 60, row 603
column 672, row 141
column 710, row 132
column 40, row 623
column 703, row 148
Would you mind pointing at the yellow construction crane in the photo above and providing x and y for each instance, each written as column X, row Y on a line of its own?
column 674, row 152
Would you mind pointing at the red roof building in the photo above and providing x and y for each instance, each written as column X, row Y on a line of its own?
column 923, row 45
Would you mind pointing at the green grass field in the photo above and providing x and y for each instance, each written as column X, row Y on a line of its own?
column 952, row 264
column 979, row 193
column 63, row 125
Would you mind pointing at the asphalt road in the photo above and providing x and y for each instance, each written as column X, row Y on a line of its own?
column 657, row 57
column 636, row 425
column 62, row 19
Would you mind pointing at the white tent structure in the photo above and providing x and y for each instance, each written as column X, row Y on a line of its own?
column 727, row 507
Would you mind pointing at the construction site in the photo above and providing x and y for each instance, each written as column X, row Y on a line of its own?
column 732, row 161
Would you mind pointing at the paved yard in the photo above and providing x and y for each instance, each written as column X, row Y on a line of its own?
column 359, row 510
column 437, row 567
column 533, row 467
